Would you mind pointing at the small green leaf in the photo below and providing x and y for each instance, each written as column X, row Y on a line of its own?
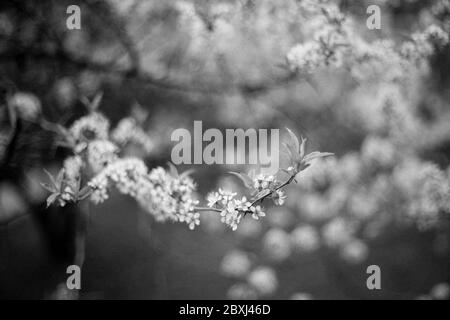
column 60, row 178
column 84, row 193
column 139, row 113
column 93, row 106
column 262, row 193
column 248, row 182
column 12, row 112
column 48, row 187
column 252, row 174
column 78, row 186
column 289, row 152
column 84, row 100
column 186, row 173
column 302, row 148
column 294, row 140
column 52, row 198
column 52, row 179
column 294, row 155
column 316, row 155
column 172, row 170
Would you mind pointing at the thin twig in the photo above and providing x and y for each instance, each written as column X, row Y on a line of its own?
column 259, row 199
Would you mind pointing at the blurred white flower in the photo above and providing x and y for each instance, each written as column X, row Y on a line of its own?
column 305, row 238
column 27, row 105
column 301, row 296
column 276, row 244
column 363, row 204
column 306, row 57
column 337, row 232
column 378, row 151
column 235, row 264
column 350, row 167
column 355, row 251
column 435, row 34
column 441, row 291
column 241, row 291
column 425, row 190
column 128, row 131
column 65, row 92
column 314, row 207
column 101, row 153
column 91, row 127
column 11, row 203
column 264, row 280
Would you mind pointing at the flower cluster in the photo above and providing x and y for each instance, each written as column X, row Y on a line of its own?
column 125, row 174
column 425, row 190
column 170, row 197
column 101, row 153
column 128, row 131
column 343, row 203
column 91, row 127
column 335, row 44
column 166, row 196
column 423, row 43
column 330, row 40
column 72, row 167
column 261, row 186
column 162, row 195
column 232, row 210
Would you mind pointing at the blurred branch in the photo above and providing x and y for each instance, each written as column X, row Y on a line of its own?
column 114, row 23
column 16, row 130
column 246, row 88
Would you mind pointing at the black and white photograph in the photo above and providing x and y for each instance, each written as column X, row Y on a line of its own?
column 200, row 150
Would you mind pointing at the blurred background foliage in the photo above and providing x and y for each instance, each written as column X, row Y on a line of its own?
column 224, row 62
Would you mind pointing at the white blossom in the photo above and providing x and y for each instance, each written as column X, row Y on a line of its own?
column 279, row 197
column 257, row 212
column 128, row 131
column 72, row 167
column 306, row 57
column 91, row 127
column 101, row 153
column 213, row 198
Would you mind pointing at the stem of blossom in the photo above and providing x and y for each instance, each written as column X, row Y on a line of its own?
column 80, row 237
column 48, row 125
column 200, row 209
column 288, row 181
